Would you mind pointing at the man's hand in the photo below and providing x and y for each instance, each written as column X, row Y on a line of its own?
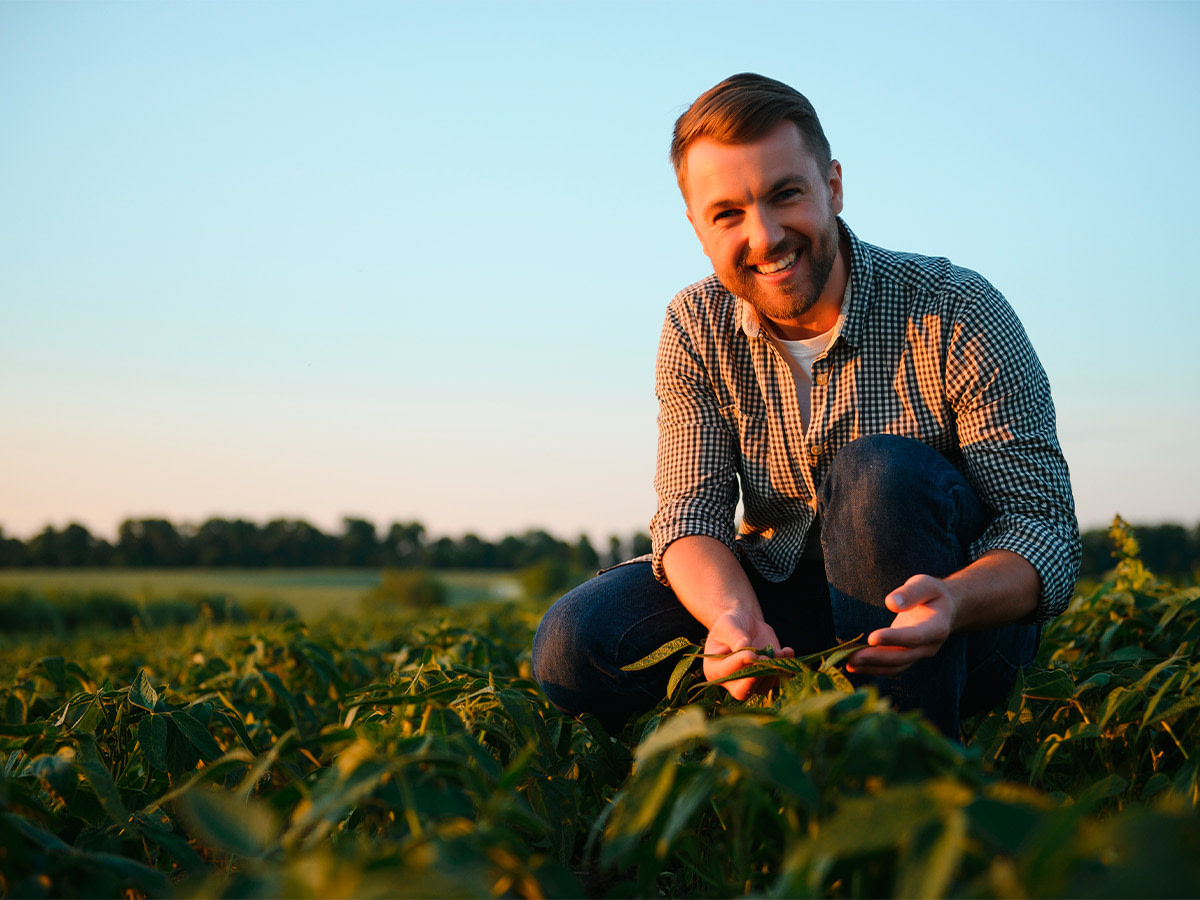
column 926, row 610
column 998, row 588
column 734, row 632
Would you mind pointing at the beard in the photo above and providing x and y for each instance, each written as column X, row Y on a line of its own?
column 795, row 298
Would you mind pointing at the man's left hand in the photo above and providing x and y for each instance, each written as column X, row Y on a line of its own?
column 926, row 609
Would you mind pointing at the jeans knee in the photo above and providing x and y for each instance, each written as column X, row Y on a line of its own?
column 873, row 483
column 555, row 645
column 878, row 469
column 892, row 507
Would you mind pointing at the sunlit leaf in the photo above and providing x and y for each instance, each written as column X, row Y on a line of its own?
column 666, row 651
column 142, row 693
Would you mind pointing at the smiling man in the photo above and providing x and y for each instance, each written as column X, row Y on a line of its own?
column 884, row 421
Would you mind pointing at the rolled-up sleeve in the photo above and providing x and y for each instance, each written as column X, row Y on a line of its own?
column 696, row 475
column 1006, row 429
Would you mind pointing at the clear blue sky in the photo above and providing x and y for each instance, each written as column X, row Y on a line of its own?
column 410, row 260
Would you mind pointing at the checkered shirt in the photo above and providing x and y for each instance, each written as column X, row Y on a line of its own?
column 926, row 350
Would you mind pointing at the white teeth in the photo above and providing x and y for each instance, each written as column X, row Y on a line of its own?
column 778, row 265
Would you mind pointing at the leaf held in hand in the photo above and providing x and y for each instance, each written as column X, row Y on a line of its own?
column 666, row 651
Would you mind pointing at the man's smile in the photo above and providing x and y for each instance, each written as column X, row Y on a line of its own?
column 779, row 265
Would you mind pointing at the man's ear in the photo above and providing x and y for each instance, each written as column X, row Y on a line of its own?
column 835, row 187
column 692, row 220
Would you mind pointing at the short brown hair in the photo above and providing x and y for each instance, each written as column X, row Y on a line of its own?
column 743, row 108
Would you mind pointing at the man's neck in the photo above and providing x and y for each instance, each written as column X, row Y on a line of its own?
column 824, row 313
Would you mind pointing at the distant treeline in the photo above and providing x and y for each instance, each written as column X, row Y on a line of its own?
column 1168, row 549
column 288, row 543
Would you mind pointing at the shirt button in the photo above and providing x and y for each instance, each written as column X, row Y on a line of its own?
column 823, row 378
column 814, row 451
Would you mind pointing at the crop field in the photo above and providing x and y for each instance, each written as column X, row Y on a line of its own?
column 413, row 756
column 312, row 593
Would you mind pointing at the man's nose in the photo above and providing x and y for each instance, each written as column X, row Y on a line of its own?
column 763, row 232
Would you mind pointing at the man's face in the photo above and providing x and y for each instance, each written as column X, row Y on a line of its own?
column 765, row 215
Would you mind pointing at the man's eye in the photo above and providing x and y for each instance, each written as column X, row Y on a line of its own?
column 725, row 214
column 788, row 194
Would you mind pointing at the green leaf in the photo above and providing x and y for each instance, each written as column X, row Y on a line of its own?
column 96, row 773
column 1049, row 684
column 666, row 651
column 85, row 716
column 142, row 694
column 176, row 847
column 681, row 668
column 241, row 827
column 35, row 834
column 264, row 763
column 197, row 735
column 152, row 738
column 239, row 728
column 831, row 658
column 642, row 807
column 56, row 772
column 760, row 754
column 1132, row 652
column 755, row 669
column 1172, row 712
column 689, row 724
column 55, row 669
column 694, row 794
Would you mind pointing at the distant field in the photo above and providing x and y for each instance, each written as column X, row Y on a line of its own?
column 311, row 592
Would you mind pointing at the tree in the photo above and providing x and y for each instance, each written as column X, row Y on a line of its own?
column 640, row 545
column 150, row 542
column 584, row 555
column 404, row 545
column 443, row 554
column 1166, row 548
column 12, row 551
column 221, row 542
column 615, row 553
column 359, row 545
column 286, row 542
column 77, row 547
column 476, row 553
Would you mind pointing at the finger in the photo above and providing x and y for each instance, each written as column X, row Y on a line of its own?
column 886, row 660
column 714, row 646
column 879, row 671
column 742, row 688
column 719, row 668
column 908, row 636
column 917, row 590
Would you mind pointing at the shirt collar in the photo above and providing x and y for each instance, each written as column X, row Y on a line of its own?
column 854, row 301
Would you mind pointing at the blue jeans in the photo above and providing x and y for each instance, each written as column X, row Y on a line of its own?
column 890, row 508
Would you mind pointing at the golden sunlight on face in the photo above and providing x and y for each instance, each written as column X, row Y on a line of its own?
column 766, row 216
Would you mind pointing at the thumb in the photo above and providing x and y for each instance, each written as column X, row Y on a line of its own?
column 897, row 601
column 912, row 593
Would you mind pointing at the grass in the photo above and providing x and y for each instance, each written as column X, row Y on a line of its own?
column 312, row 593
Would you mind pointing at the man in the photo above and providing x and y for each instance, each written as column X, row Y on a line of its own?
column 890, row 428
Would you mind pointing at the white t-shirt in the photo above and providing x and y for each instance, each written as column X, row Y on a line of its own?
column 800, row 355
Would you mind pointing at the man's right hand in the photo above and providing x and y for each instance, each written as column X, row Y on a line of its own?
column 741, row 634
column 710, row 583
